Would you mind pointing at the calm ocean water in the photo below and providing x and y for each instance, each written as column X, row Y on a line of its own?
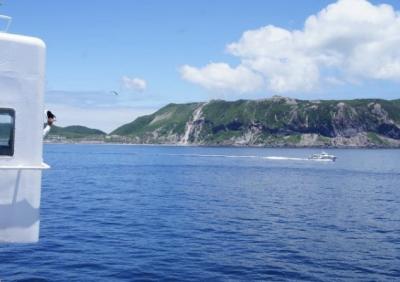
column 122, row 213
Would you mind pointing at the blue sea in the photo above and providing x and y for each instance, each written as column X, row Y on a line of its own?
column 150, row 213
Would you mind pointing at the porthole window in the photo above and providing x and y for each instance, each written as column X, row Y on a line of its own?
column 7, row 125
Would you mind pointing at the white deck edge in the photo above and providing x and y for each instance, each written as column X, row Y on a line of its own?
column 25, row 167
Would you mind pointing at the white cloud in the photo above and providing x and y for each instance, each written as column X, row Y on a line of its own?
column 222, row 77
column 136, row 84
column 350, row 40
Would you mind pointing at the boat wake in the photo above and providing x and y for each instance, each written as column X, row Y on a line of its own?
column 272, row 158
column 276, row 158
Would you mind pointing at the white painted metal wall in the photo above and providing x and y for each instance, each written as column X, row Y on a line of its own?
column 22, row 78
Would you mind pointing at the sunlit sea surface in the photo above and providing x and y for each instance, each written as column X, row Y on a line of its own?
column 123, row 213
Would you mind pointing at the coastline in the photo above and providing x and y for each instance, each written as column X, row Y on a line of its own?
column 75, row 142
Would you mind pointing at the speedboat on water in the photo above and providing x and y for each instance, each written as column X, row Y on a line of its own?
column 323, row 156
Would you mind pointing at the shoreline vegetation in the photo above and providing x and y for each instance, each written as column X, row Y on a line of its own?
column 277, row 122
column 91, row 142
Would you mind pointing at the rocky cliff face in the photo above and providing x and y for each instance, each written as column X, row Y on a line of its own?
column 278, row 121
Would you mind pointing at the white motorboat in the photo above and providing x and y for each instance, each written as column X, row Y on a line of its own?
column 323, row 156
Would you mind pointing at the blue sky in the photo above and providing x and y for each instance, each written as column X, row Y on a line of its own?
column 92, row 45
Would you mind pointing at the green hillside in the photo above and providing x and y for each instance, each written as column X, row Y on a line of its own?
column 277, row 121
column 75, row 132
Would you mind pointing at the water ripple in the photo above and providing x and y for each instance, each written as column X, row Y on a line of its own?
column 123, row 213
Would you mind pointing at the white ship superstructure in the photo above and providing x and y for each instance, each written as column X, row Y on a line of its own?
column 22, row 78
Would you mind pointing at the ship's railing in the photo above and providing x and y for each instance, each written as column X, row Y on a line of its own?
column 43, row 166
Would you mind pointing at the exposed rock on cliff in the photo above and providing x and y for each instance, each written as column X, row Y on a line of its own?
column 278, row 121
